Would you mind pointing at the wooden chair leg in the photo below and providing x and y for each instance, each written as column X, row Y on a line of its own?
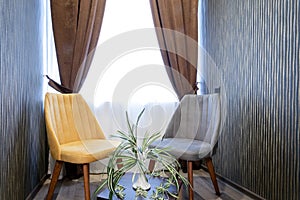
column 119, row 163
column 212, row 174
column 190, row 179
column 55, row 175
column 86, row 177
column 151, row 165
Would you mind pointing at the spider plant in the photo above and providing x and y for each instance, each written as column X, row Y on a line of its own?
column 130, row 154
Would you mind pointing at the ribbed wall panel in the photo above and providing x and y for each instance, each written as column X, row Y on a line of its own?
column 255, row 44
column 22, row 132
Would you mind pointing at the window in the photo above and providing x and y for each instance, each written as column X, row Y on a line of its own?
column 120, row 18
column 50, row 60
column 126, row 75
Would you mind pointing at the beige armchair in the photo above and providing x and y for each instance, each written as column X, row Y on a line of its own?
column 74, row 135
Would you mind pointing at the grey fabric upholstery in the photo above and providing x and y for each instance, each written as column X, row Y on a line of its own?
column 193, row 129
column 186, row 149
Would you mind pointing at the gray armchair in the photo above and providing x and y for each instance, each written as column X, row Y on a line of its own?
column 193, row 131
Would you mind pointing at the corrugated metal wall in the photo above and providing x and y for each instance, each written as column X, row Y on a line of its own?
column 255, row 44
column 22, row 133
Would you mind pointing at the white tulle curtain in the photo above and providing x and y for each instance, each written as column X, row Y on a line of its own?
column 112, row 117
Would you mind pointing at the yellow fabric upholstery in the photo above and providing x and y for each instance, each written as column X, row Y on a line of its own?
column 74, row 134
column 87, row 151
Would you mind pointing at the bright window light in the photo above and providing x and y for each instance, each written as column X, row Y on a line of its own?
column 120, row 17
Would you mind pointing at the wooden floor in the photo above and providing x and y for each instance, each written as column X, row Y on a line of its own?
column 73, row 189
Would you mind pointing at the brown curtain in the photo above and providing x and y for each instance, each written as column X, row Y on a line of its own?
column 176, row 23
column 76, row 28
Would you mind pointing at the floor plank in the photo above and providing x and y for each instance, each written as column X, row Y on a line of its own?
column 73, row 189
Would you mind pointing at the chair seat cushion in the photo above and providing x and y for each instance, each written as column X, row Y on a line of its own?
column 87, row 151
column 186, row 149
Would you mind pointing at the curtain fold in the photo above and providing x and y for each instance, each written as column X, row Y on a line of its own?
column 76, row 27
column 176, row 23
